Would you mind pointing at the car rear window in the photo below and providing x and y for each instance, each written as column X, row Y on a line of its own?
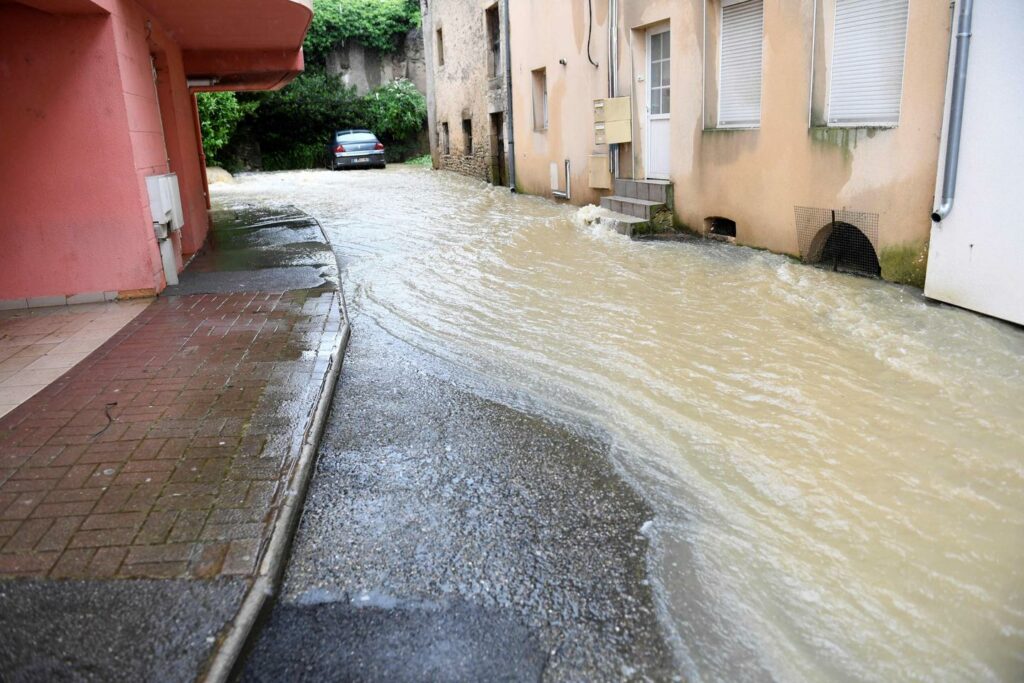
column 357, row 137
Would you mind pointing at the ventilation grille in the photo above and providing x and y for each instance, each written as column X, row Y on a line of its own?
column 839, row 239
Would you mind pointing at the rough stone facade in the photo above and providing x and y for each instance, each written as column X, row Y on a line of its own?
column 465, row 49
column 477, row 164
column 367, row 69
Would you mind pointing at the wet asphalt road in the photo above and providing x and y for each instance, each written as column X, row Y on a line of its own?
column 447, row 537
column 135, row 630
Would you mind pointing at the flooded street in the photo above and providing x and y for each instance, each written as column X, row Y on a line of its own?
column 836, row 467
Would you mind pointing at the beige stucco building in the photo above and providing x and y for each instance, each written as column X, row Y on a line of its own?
column 466, row 86
column 764, row 116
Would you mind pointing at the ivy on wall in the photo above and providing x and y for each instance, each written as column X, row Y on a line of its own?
column 376, row 24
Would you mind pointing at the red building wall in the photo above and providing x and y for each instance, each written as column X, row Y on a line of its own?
column 82, row 124
column 71, row 220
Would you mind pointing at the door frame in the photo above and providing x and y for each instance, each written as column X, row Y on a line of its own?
column 653, row 31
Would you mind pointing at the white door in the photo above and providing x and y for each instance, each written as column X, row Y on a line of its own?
column 976, row 252
column 658, row 107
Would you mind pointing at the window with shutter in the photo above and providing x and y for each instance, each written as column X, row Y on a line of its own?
column 867, row 62
column 742, row 35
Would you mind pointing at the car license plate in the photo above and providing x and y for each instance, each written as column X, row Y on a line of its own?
column 362, row 160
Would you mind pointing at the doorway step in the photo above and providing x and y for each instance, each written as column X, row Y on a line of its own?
column 647, row 202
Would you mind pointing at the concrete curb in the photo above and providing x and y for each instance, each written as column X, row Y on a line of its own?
column 271, row 569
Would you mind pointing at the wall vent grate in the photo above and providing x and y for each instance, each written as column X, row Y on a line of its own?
column 839, row 239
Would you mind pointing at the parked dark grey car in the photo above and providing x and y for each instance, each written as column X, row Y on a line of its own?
column 355, row 149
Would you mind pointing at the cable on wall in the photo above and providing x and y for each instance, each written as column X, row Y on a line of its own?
column 590, row 30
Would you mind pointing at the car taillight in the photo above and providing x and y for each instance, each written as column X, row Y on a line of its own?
column 378, row 146
column 339, row 148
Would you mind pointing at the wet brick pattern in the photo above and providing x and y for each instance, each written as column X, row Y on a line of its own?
column 208, row 397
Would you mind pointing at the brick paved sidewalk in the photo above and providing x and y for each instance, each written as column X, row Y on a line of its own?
column 164, row 453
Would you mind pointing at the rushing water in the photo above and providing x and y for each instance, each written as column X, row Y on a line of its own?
column 837, row 466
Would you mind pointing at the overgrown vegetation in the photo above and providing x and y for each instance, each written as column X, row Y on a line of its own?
column 376, row 24
column 291, row 127
column 422, row 160
column 396, row 110
column 219, row 114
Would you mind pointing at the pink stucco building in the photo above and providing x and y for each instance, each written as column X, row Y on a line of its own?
column 97, row 95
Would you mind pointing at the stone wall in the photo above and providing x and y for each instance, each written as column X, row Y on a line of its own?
column 466, row 82
column 477, row 165
column 367, row 69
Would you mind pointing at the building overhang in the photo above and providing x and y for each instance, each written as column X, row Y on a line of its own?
column 65, row 6
column 226, row 44
column 237, row 44
column 241, row 70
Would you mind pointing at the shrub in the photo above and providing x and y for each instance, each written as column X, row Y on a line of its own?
column 301, row 155
column 422, row 160
column 219, row 115
column 396, row 110
column 304, row 114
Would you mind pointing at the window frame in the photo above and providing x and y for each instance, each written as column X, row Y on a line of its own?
column 541, row 120
column 493, row 41
column 467, row 136
column 662, row 62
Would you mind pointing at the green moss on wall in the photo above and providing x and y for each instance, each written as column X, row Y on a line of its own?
column 905, row 264
column 682, row 226
column 843, row 139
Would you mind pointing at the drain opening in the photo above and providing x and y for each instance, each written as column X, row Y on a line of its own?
column 844, row 240
column 719, row 226
column 843, row 247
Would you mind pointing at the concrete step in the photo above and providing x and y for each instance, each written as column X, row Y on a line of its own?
column 626, row 225
column 639, row 208
column 648, row 190
column 619, row 222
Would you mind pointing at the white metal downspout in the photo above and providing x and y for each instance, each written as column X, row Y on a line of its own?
column 511, row 141
column 613, row 65
column 956, row 111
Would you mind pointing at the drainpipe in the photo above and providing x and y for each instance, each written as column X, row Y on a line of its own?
column 202, row 154
column 956, row 111
column 511, row 138
column 613, row 63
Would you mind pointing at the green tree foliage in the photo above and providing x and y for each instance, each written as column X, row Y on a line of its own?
column 306, row 111
column 396, row 110
column 377, row 24
column 292, row 125
column 219, row 114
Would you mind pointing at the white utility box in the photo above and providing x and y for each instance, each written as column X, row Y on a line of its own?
column 165, row 207
column 165, row 200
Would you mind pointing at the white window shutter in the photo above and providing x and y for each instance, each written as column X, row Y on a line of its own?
column 739, row 94
column 867, row 62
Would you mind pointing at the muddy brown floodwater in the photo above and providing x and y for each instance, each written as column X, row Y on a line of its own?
column 837, row 466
